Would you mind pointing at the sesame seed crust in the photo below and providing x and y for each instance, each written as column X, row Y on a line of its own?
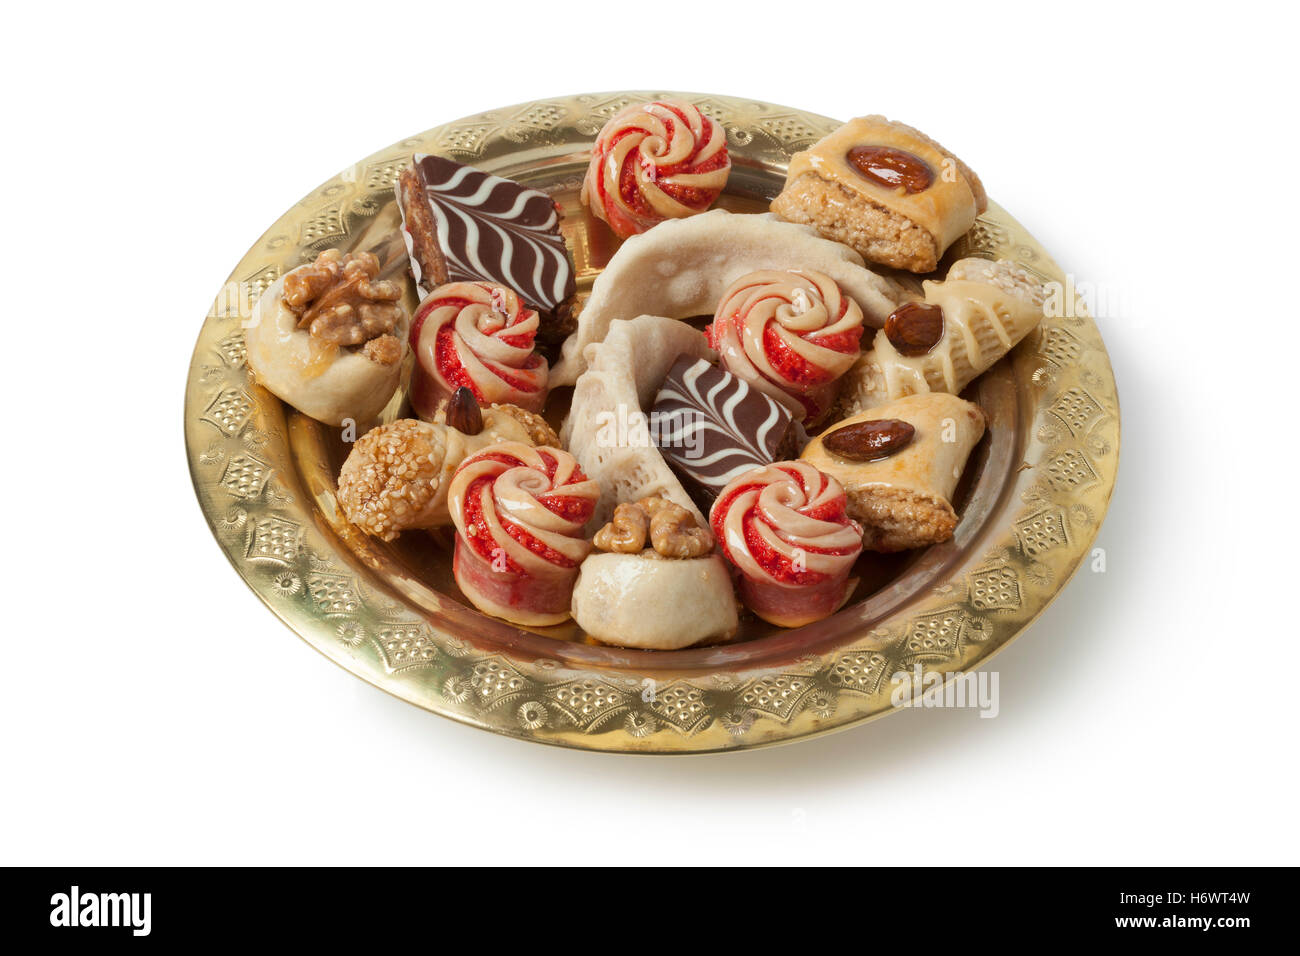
column 393, row 476
column 534, row 425
column 1002, row 274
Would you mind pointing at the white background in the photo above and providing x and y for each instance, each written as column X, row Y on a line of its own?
column 152, row 711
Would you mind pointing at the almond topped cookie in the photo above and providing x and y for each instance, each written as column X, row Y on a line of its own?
column 887, row 190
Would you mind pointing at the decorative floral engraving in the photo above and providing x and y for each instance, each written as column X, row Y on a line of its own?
column 1077, row 410
column 333, row 594
column 1041, row 532
column 246, row 476
column 995, row 589
column 274, row 539
column 229, row 411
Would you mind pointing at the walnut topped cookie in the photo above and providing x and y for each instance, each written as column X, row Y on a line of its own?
column 656, row 581
column 329, row 338
column 887, row 190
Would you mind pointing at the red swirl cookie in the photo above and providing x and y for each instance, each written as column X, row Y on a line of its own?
column 519, row 513
column 789, row 334
column 480, row 336
column 655, row 161
column 784, row 529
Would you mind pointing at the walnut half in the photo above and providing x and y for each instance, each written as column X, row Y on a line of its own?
column 339, row 300
column 672, row 531
column 626, row 531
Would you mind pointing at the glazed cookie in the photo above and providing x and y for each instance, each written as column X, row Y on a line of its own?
column 785, row 530
column 886, row 189
column 329, row 338
column 479, row 336
column 519, row 513
column 789, row 334
column 899, row 465
column 682, row 268
column 964, row 325
column 656, row 583
column 655, row 161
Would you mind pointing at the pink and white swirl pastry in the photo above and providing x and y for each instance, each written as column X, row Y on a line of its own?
column 519, row 513
column 480, row 336
column 655, row 161
column 790, row 334
column 785, row 530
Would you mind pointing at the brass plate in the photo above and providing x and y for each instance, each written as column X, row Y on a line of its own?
column 1035, row 495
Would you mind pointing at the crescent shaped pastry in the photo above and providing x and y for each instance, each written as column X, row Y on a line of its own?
column 903, row 499
column 607, row 430
column 978, row 314
column 334, row 368
column 682, row 267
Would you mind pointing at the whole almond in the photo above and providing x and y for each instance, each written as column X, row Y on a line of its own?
column 463, row 413
column 914, row 328
column 892, row 168
column 869, row 441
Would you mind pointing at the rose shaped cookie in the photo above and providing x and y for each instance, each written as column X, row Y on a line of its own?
column 655, row 161
column 785, row 530
column 519, row 513
column 480, row 336
column 789, row 334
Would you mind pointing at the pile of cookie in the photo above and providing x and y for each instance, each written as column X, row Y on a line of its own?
column 700, row 473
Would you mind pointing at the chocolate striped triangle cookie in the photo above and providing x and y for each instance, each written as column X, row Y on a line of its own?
column 712, row 426
column 462, row 224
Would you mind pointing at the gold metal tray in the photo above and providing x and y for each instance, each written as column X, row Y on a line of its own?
column 1033, row 499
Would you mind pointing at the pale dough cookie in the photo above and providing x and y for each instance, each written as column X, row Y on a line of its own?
column 660, row 586
column 641, row 600
column 327, row 382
